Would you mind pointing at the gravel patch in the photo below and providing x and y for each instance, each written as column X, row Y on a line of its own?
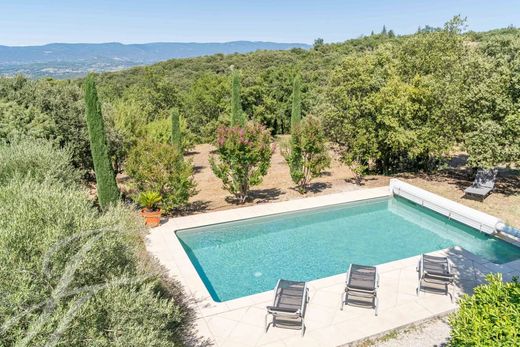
column 433, row 333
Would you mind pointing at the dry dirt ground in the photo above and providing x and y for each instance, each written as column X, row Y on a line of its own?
column 504, row 202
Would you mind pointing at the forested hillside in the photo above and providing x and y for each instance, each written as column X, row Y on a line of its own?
column 388, row 103
column 69, row 60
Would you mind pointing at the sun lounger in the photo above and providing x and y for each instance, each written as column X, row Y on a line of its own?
column 435, row 275
column 361, row 287
column 483, row 185
column 288, row 309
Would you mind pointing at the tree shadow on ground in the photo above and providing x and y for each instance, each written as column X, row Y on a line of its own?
column 318, row 187
column 191, row 153
column 258, row 195
column 265, row 195
column 199, row 206
column 197, row 169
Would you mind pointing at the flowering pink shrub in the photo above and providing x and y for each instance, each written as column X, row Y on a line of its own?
column 243, row 157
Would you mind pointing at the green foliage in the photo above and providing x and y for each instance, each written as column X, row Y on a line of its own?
column 485, row 145
column 176, row 137
column 89, row 265
column 237, row 114
column 149, row 200
column 160, row 168
column 36, row 160
column 206, row 103
column 161, row 131
column 48, row 109
column 296, row 112
column 18, row 122
column 307, row 153
column 127, row 120
column 489, row 317
column 107, row 190
column 243, row 157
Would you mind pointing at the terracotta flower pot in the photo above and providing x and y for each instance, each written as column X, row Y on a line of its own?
column 151, row 218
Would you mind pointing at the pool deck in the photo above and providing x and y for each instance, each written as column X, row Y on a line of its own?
column 240, row 322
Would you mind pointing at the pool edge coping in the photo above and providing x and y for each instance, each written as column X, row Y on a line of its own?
column 173, row 256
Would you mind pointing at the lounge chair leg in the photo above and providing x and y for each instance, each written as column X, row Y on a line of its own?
column 376, row 304
column 266, row 325
column 303, row 327
column 344, row 301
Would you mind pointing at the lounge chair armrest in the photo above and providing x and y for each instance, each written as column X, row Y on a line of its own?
column 449, row 276
column 283, row 310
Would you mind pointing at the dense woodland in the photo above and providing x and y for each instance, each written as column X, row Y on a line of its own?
column 388, row 102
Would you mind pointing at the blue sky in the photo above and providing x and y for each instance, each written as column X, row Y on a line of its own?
column 29, row 22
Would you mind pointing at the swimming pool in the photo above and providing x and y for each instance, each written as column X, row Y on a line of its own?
column 245, row 257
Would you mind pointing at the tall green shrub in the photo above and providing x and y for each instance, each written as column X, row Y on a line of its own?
column 159, row 167
column 307, row 153
column 107, row 190
column 489, row 317
column 237, row 114
column 243, row 157
column 176, row 131
column 296, row 112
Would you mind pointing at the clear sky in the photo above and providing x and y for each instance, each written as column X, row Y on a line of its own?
column 30, row 22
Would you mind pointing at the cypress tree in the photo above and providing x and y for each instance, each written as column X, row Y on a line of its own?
column 176, row 131
column 296, row 112
column 106, row 186
column 237, row 116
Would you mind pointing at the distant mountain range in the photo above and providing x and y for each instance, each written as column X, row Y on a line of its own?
column 65, row 60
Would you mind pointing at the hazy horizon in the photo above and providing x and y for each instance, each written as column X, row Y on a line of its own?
column 152, row 42
column 37, row 22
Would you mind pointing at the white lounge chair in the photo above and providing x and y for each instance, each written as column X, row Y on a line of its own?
column 289, row 304
column 483, row 185
column 435, row 275
column 361, row 287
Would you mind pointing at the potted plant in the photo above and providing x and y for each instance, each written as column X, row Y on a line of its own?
column 150, row 211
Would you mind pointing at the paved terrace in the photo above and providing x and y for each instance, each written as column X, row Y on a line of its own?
column 240, row 322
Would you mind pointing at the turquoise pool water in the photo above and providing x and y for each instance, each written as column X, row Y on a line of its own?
column 241, row 258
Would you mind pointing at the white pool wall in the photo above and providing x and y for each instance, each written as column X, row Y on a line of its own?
column 451, row 209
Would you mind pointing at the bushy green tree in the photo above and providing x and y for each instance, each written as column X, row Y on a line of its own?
column 37, row 160
column 307, row 153
column 107, row 190
column 50, row 109
column 489, row 317
column 399, row 107
column 159, row 167
column 243, row 157
column 237, row 114
column 83, row 280
column 206, row 104
column 18, row 122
